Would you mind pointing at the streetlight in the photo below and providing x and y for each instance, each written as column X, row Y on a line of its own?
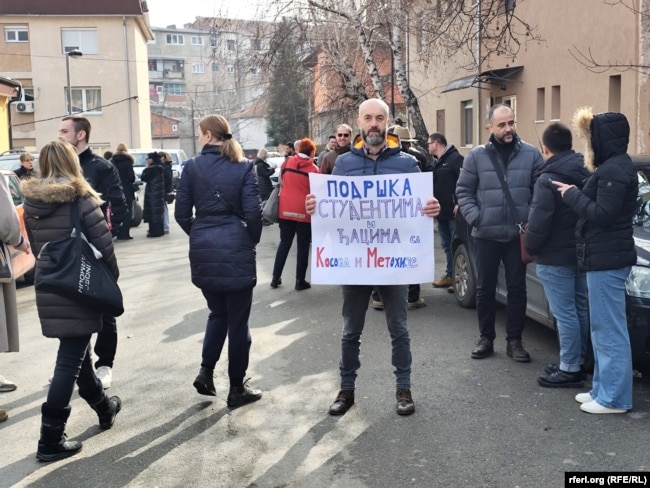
column 75, row 53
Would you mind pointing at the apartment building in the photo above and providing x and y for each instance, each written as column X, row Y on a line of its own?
column 88, row 57
column 211, row 66
column 548, row 79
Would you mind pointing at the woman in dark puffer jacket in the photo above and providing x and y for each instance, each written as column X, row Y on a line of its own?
column 123, row 161
column 154, row 194
column 606, row 251
column 48, row 202
column 218, row 206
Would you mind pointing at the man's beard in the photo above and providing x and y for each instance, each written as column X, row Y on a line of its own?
column 374, row 139
column 502, row 140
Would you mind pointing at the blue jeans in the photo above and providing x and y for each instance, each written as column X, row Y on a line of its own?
column 73, row 366
column 566, row 290
column 489, row 255
column 229, row 317
column 302, row 231
column 166, row 218
column 446, row 229
column 612, row 383
column 355, row 305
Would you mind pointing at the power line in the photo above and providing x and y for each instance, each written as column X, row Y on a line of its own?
column 135, row 97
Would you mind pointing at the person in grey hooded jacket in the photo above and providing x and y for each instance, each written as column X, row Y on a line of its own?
column 483, row 204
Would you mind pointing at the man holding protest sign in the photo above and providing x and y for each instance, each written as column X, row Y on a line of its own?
column 374, row 152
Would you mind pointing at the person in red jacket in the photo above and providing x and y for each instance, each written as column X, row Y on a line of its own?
column 293, row 218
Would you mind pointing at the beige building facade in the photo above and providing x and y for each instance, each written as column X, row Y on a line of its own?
column 548, row 79
column 108, row 82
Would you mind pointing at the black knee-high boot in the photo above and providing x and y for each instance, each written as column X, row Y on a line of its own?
column 53, row 445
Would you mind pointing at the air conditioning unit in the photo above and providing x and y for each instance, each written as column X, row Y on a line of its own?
column 25, row 107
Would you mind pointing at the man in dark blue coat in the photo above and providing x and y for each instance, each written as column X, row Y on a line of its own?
column 551, row 239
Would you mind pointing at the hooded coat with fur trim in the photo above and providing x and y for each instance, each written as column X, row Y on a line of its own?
column 47, row 218
column 607, row 203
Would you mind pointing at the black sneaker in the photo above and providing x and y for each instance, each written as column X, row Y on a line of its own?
column 516, row 351
column 561, row 379
column 483, row 349
column 554, row 368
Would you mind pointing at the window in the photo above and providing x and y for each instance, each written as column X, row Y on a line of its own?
column 28, row 93
column 174, row 128
column 256, row 44
column 231, row 45
column 198, row 68
column 232, row 92
column 175, row 39
column 511, row 101
column 555, row 102
column 440, row 121
column 467, row 123
column 614, row 102
column 197, row 41
column 541, row 100
column 85, row 40
column 213, row 42
column 215, row 68
column 16, row 34
column 256, row 70
column 85, row 100
column 175, row 88
column 231, row 68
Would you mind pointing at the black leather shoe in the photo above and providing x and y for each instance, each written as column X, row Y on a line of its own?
column 483, row 349
column 302, row 285
column 554, row 368
column 204, row 382
column 242, row 395
column 344, row 400
column 275, row 283
column 405, row 404
column 516, row 351
column 561, row 379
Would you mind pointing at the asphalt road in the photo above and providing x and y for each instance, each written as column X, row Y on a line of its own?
column 477, row 423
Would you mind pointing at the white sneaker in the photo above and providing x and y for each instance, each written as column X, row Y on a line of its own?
column 584, row 398
column 6, row 385
column 105, row 375
column 595, row 407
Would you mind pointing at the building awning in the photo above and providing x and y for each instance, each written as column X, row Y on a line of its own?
column 493, row 77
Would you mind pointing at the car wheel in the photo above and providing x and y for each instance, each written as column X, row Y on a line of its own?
column 463, row 279
column 137, row 214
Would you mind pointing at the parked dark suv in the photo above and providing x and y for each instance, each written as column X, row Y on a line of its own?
column 637, row 285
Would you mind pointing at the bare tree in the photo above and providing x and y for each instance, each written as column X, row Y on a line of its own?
column 448, row 27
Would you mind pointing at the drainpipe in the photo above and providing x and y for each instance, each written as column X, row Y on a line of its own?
column 128, row 81
column 477, row 137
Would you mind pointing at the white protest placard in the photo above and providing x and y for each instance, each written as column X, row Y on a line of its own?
column 371, row 230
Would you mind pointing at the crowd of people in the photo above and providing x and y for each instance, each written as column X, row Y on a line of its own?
column 576, row 211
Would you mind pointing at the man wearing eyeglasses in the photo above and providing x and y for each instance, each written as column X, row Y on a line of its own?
column 343, row 141
column 482, row 203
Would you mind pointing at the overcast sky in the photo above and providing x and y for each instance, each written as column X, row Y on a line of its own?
column 167, row 12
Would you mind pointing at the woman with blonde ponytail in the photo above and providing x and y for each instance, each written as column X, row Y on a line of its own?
column 218, row 206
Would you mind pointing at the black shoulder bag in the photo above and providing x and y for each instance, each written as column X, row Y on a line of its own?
column 75, row 271
column 521, row 224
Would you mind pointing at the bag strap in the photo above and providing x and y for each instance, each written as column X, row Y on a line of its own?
column 216, row 192
column 506, row 191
